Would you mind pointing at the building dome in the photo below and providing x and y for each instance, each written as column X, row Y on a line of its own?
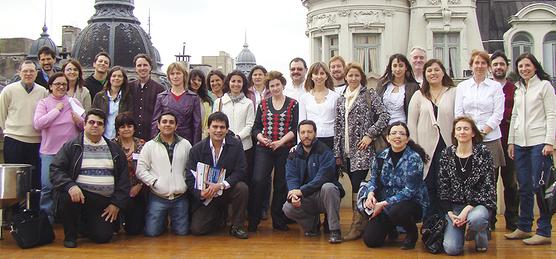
column 115, row 30
column 245, row 60
column 44, row 40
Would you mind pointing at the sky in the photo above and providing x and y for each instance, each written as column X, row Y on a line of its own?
column 275, row 28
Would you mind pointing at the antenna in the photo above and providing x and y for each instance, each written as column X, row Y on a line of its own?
column 149, row 22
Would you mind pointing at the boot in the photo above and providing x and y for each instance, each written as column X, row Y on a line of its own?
column 358, row 223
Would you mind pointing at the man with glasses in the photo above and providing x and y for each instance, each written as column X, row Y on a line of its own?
column 90, row 177
column 298, row 70
column 47, row 58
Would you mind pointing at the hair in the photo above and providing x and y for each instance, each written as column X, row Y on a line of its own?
column 417, row 48
column 218, row 116
column 27, row 62
column 202, row 92
column 478, row 138
column 102, row 53
column 244, row 86
column 124, row 118
column 46, row 50
column 143, row 56
column 307, row 122
column 97, row 112
column 446, row 79
column 124, row 88
column 74, row 62
column 388, row 75
column 540, row 72
column 336, row 58
column 180, row 67
column 250, row 76
column 298, row 59
column 309, row 84
column 274, row 75
column 53, row 77
column 479, row 53
column 354, row 65
column 416, row 147
column 217, row 73
column 499, row 54
column 167, row 112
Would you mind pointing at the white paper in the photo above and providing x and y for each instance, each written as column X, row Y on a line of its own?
column 76, row 108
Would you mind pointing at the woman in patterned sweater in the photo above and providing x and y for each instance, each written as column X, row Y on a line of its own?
column 466, row 187
column 275, row 129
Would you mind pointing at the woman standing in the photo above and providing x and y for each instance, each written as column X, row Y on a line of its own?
column 58, row 123
column 530, row 145
column 430, row 119
column 257, row 89
column 215, row 83
column 74, row 73
column 184, row 104
column 466, row 188
column 355, row 130
column 275, row 129
column 115, row 98
column 198, row 85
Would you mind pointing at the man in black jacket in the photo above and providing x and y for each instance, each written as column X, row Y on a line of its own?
column 224, row 151
column 90, row 177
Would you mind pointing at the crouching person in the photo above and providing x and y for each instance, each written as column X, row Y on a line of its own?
column 90, row 179
column 313, row 187
column 161, row 167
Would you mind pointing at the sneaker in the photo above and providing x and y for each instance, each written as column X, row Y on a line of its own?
column 335, row 237
column 238, row 232
column 518, row 234
column 70, row 243
column 312, row 233
column 408, row 244
column 481, row 249
column 538, row 240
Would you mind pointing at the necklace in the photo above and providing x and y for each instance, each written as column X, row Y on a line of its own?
column 435, row 98
column 463, row 165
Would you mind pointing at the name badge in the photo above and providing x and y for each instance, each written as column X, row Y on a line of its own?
column 135, row 156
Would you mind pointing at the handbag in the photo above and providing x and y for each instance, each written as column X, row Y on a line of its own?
column 31, row 229
column 547, row 183
column 363, row 189
column 432, row 233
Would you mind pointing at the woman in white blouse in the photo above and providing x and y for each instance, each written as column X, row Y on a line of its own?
column 319, row 103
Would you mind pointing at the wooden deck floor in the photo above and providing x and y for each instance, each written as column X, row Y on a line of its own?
column 264, row 244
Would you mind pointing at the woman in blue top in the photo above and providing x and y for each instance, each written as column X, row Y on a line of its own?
column 396, row 193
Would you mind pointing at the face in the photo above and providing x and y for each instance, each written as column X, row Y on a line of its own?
column 307, row 135
column 117, row 78
column 417, row 59
column 167, row 125
column 337, row 70
column 71, row 72
column 258, row 77
column 236, row 83
column 353, row 77
column 297, row 71
column 176, row 77
column 94, row 126
column 126, row 131
column 217, row 130
column 397, row 137
column 142, row 68
column 479, row 67
column 319, row 76
column 398, row 69
column 195, row 83
column 216, row 83
column 102, row 64
column 28, row 73
column 46, row 61
column 275, row 87
column 59, row 87
column 434, row 74
column 499, row 68
column 526, row 68
column 463, row 132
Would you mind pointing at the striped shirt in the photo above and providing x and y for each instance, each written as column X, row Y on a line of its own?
column 96, row 174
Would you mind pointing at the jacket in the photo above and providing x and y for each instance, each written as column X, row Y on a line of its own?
column 410, row 89
column 187, row 110
column 101, row 102
column 320, row 166
column 144, row 100
column 66, row 166
column 241, row 116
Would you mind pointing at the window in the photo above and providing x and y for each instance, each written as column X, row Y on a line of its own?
column 521, row 43
column 317, row 50
column 446, row 48
column 549, row 54
column 333, row 46
column 366, row 47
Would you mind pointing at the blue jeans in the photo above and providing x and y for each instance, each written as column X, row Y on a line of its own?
column 529, row 162
column 157, row 213
column 46, row 189
column 477, row 221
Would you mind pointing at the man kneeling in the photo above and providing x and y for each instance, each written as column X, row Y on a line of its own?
column 312, row 184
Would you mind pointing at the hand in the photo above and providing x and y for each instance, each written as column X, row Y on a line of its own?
column 364, row 143
column 135, row 190
column 547, row 150
column 452, row 217
column 371, row 201
column 264, row 141
column 110, row 212
column 296, row 201
column 461, row 219
column 76, row 194
column 486, row 129
column 211, row 190
column 76, row 118
column 60, row 106
column 511, row 151
column 276, row 144
column 378, row 208
column 295, row 192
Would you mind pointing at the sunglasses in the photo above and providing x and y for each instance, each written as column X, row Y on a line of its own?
column 93, row 122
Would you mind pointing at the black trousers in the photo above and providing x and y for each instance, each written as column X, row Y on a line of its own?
column 355, row 177
column 86, row 217
column 431, row 181
column 206, row 219
column 511, row 193
column 18, row 152
column 405, row 214
column 134, row 214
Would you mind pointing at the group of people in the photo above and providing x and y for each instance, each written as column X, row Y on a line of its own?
column 111, row 153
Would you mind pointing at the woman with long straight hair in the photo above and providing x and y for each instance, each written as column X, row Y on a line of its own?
column 73, row 71
column 197, row 84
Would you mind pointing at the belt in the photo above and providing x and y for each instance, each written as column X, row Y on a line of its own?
column 169, row 197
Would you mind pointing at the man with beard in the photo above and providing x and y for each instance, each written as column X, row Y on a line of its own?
column 511, row 198
column 418, row 57
column 96, row 81
column 296, row 88
column 313, row 186
column 337, row 65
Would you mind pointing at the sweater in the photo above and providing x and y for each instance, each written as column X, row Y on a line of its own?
column 275, row 124
column 56, row 127
column 17, row 108
column 241, row 116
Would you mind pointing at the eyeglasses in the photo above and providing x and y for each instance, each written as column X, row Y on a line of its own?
column 93, row 122
column 59, row 84
column 399, row 133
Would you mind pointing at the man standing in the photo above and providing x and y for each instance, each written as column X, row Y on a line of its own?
column 418, row 57
column 161, row 166
column 144, row 92
column 298, row 70
column 337, row 66
column 313, row 185
column 47, row 58
column 90, row 177
column 96, row 81
column 18, row 102
column 221, row 151
column 511, row 196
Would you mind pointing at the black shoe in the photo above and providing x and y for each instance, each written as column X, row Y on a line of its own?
column 252, row 228
column 408, row 244
column 238, row 232
column 70, row 243
column 312, row 233
column 281, row 227
column 335, row 237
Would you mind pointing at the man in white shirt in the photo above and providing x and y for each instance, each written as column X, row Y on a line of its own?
column 337, row 66
column 298, row 70
column 418, row 57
